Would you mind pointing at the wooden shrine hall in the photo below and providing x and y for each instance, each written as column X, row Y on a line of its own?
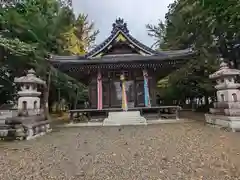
column 121, row 72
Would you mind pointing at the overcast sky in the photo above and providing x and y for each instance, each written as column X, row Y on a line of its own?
column 137, row 13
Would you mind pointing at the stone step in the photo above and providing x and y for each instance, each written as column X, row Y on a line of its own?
column 125, row 113
column 138, row 120
column 2, row 122
column 128, row 119
column 124, row 118
column 128, row 115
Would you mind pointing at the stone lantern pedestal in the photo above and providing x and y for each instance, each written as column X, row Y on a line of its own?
column 226, row 111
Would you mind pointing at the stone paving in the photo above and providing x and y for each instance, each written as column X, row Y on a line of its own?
column 154, row 152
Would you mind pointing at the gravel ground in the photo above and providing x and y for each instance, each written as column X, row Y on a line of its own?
column 154, row 152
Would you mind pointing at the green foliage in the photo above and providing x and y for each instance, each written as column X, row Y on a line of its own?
column 158, row 32
column 30, row 31
column 206, row 26
column 15, row 46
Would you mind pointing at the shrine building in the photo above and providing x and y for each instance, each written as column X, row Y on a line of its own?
column 121, row 72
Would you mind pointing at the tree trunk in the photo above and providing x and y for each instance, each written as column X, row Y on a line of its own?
column 206, row 100
column 192, row 104
column 76, row 101
column 59, row 101
column 46, row 95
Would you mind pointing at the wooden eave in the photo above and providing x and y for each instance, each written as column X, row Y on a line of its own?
column 75, row 60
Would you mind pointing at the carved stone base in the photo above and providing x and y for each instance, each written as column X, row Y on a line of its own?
column 227, row 112
column 231, row 122
column 124, row 118
column 36, row 131
column 216, row 111
column 4, row 132
column 232, row 112
column 25, row 131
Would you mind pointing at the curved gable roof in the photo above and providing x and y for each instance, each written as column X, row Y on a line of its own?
column 120, row 27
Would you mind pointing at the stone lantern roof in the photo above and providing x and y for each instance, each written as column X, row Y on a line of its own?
column 30, row 78
column 224, row 71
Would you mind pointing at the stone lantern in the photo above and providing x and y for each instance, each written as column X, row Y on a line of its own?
column 226, row 111
column 29, row 95
column 28, row 123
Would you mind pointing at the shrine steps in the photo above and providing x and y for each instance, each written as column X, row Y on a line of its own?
column 101, row 124
column 124, row 118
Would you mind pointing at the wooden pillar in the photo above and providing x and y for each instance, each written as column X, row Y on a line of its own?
column 153, row 92
column 46, row 95
column 99, row 91
column 76, row 100
column 109, row 90
column 134, row 88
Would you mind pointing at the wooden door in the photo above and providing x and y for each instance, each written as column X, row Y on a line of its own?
column 116, row 95
column 93, row 95
column 130, row 93
column 106, row 94
column 140, row 93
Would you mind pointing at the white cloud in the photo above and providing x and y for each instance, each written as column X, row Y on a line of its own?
column 137, row 13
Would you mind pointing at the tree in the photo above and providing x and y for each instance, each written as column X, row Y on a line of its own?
column 158, row 32
column 211, row 28
column 30, row 31
column 81, row 36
